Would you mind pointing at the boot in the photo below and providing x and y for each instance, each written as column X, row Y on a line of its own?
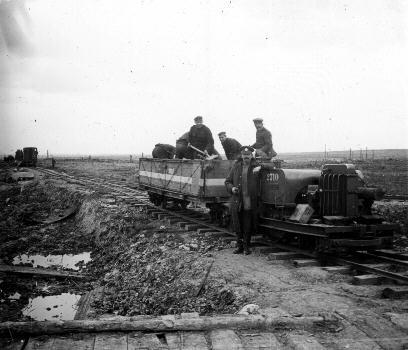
column 247, row 249
column 240, row 247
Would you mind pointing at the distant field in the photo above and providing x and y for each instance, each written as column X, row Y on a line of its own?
column 345, row 155
column 287, row 157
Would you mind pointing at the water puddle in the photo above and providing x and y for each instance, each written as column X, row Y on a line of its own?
column 15, row 296
column 53, row 307
column 67, row 261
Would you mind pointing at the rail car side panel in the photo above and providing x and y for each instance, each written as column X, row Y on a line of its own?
column 195, row 178
column 215, row 172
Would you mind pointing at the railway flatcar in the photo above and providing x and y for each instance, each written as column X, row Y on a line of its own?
column 323, row 210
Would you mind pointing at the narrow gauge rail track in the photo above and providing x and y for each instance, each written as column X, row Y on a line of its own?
column 398, row 197
column 381, row 263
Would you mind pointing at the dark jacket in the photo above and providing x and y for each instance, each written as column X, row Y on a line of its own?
column 232, row 148
column 234, row 179
column 181, row 146
column 163, row 151
column 201, row 138
column 264, row 141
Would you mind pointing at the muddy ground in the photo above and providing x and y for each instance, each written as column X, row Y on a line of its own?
column 144, row 266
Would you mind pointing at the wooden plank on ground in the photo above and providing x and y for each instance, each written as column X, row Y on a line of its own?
column 173, row 341
column 108, row 341
column 305, row 262
column 264, row 249
column 83, row 306
column 374, row 326
column 139, row 341
column 193, row 340
column 77, row 341
column 367, row 279
column 23, row 270
column 283, row 256
column 260, row 341
column 337, row 269
column 304, row 342
column 43, row 342
column 225, row 339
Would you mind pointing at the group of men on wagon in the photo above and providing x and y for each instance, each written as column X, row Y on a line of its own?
column 198, row 142
column 241, row 181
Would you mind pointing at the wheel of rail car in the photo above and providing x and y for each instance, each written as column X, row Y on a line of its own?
column 306, row 242
column 163, row 202
column 184, row 204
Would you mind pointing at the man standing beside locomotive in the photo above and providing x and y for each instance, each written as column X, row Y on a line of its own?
column 241, row 183
column 200, row 137
column 231, row 146
column 263, row 145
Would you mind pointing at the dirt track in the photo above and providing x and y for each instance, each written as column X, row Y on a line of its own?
column 141, row 268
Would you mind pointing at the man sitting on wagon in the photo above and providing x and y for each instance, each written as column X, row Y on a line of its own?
column 263, row 145
column 231, row 146
column 241, row 183
column 182, row 146
column 200, row 137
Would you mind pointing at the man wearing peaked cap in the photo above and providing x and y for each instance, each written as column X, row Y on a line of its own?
column 231, row 146
column 263, row 144
column 246, row 149
column 200, row 137
column 241, row 183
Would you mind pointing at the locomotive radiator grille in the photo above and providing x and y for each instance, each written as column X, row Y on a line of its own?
column 333, row 196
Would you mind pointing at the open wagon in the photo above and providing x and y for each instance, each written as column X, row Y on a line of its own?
column 186, row 181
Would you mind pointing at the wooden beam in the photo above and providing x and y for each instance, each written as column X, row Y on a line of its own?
column 160, row 324
column 23, row 270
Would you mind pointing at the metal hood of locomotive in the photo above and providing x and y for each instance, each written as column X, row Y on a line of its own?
column 282, row 186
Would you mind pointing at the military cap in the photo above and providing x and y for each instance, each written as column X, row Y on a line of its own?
column 258, row 120
column 222, row 133
column 246, row 149
column 199, row 118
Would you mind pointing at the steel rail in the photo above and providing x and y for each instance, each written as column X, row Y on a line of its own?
column 362, row 267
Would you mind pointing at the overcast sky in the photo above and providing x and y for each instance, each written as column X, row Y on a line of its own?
column 117, row 77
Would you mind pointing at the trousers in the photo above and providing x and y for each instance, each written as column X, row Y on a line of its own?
column 244, row 234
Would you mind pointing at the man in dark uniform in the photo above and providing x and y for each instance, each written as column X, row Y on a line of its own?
column 263, row 145
column 231, row 146
column 241, row 182
column 182, row 146
column 200, row 137
column 163, row 151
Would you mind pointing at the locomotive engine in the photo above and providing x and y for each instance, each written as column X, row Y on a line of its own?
column 325, row 210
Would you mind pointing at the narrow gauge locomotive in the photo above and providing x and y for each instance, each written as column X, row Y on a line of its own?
column 324, row 210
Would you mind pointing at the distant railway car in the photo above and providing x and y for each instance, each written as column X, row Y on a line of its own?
column 19, row 155
column 185, row 181
column 30, row 156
